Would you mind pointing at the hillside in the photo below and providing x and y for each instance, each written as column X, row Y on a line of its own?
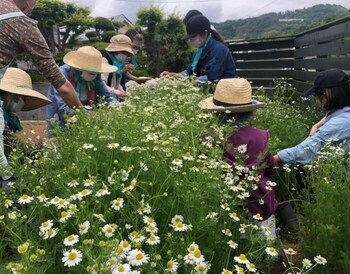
column 280, row 24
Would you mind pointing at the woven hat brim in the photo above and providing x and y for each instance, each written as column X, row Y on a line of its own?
column 105, row 68
column 114, row 48
column 34, row 99
column 208, row 104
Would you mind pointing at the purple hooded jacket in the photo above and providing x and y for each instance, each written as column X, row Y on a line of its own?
column 257, row 146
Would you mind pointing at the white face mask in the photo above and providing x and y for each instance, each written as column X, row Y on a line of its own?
column 26, row 6
column 87, row 76
column 121, row 57
column 195, row 42
column 16, row 106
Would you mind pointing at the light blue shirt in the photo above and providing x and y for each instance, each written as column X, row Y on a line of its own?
column 335, row 130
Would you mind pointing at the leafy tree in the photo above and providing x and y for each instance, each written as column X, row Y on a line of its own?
column 101, row 25
column 107, row 35
column 70, row 20
column 164, row 46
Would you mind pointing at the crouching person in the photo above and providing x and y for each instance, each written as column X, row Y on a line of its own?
column 83, row 69
column 16, row 94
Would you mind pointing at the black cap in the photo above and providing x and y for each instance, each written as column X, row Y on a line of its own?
column 329, row 78
column 196, row 25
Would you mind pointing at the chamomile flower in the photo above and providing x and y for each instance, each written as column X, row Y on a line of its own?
column 108, row 230
column 72, row 257
column 8, row 203
column 226, row 271
column 227, row 232
column 121, row 268
column 202, row 268
column 45, row 226
column 239, row 270
column 172, row 266
column 271, row 251
column 251, row 267
column 88, row 183
column 100, row 217
column 152, row 228
column 152, row 137
column 234, row 216
column 188, row 156
column 113, row 145
column 117, row 204
column 242, row 149
column 177, row 162
column 102, row 192
column 232, row 244
column 126, row 148
column 137, row 237
column 241, row 259
column 320, row 260
column 25, row 199
column 212, row 215
column 307, row 263
column 177, row 218
column 88, row 146
column 195, row 257
column 149, row 221
column 23, row 248
column 257, row 217
column 290, row 251
column 153, row 240
column 137, row 257
column 73, row 183
column 65, row 215
column 49, row 234
column 71, row 240
column 84, row 227
column 42, row 198
column 180, row 226
column 85, row 192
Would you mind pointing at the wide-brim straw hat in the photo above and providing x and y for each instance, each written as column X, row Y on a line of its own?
column 120, row 42
column 231, row 95
column 18, row 82
column 89, row 59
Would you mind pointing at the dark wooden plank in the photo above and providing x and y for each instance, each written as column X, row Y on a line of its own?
column 329, row 34
column 302, row 86
column 336, row 47
column 263, row 64
column 304, row 75
column 257, row 55
column 261, row 45
column 323, row 63
column 265, row 73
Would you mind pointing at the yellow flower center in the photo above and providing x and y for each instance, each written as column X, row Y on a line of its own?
column 45, row 224
column 170, row 264
column 25, row 197
column 72, row 256
column 125, row 243
column 64, row 214
column 119, row 250
column 70, row 238
column 109, row 229
column 188, row 154
column 197, row 253
column 139, row 256
column 272, row 250
column 252, row 265
column 234, row 214
column 202, row 268
column 152, row 238
column 180, row 224
column 242, row 257
column 121, row 268
column 50, row 232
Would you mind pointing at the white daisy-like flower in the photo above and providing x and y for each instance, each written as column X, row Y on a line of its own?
column 71, row 240
column 241, row 259
column 65, row 215
column 195, row 257
column 177, row 218
column 117, row 204
column 180, row 226
column 172, row 266
column 113, row 145
column 102, row 192
column 257, row 217
column 100, row 217
column 152, row 137
column 188, row 156
column 202, row 268
column 62, row 203
column 137, row 257
column 290, row 251
column 25, row 199
column 88, row 146
column 149, row 221
column 251, row 267
column 126, row 148
column 47, row 225
column 320, row 260
column 42, row 198
column 242, row 149
column 72, row 257
column 8, row 203
column 202, row 156
column 152, row 228
column 73, row 183
column 153, row 240
column 226, row 271
column 136, row 237
column 108, row 230
column 212, row 215
column 239, row 270
column 234, row 216
column 232, row 244
column 88, row 182
column 271, row 251
column 177, row 162
column 227, row 232
column 84, row 227
column 237, row 188
column 73, row 208
column 121, row 269
column 49, row 234
column 85, row 192
column 307, row 263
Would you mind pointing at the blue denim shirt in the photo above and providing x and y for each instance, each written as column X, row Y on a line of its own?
column 335, row 130
column 215, row 63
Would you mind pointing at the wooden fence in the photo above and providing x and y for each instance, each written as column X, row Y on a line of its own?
column 296, row 59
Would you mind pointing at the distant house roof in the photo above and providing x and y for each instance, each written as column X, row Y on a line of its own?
column 121, row 18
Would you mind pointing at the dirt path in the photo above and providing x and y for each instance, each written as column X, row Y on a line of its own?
column 33, row 131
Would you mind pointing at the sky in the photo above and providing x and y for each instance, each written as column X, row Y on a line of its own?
column 216, row 10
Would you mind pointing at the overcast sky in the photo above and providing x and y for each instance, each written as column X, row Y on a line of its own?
column 215, row 10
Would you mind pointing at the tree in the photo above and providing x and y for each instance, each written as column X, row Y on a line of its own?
column 101, row 25
column 69, row 19
column 164, row 45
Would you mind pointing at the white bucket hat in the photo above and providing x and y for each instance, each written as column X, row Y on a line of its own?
column 231, row 94
column 89, row 59
column 18, row 82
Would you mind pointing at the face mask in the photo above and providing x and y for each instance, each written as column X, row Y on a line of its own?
column 196, row 43
column 121, row 57
column 87, row 76
column 26, row 6
column 15, row 106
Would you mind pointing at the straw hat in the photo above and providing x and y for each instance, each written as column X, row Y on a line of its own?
column 17, row 81
column 120, row 42
column 89, row 59
column 232, row 94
